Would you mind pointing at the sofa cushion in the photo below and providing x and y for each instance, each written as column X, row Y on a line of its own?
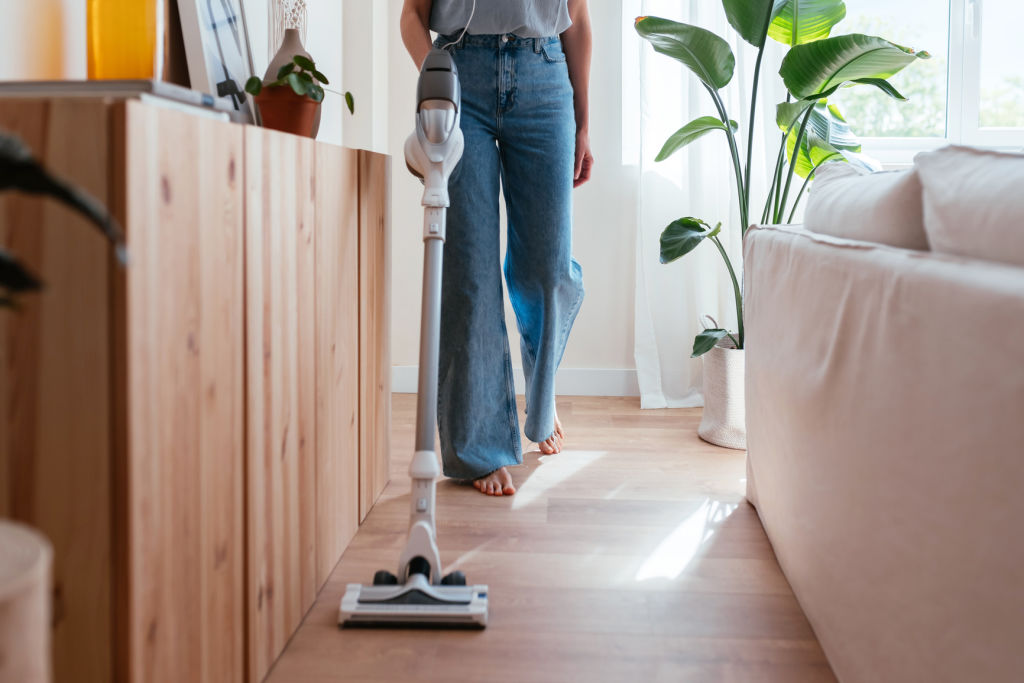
column 974, row 202
column 883, row 207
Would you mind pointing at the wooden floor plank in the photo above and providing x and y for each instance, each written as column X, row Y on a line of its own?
column 630, row 556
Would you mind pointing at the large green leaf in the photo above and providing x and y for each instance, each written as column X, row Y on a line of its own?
column 825, row 138
column 14, row 276
column 817, row 69
column 695, row 129
column 703, row 52
column 751, row 18
column 787, row 114
column 803, row 21
column 684, row 235
column 706, row 340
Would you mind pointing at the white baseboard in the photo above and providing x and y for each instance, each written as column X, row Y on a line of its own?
column 569, row 381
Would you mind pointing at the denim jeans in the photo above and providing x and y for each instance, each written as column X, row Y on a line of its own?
column 520, row 131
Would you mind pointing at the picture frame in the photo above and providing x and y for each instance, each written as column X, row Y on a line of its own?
column 218, row 52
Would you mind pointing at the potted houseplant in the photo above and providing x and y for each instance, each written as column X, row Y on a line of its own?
column 813, row 132
column 20, row 171
column 291, row 101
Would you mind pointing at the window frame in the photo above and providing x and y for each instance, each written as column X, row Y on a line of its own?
column 963, row 97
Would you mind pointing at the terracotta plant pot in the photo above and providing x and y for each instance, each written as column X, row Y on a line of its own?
column 282, row 109
column 290, row 46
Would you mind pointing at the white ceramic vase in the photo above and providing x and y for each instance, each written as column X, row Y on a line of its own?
column 290, row 46
column 724, row 420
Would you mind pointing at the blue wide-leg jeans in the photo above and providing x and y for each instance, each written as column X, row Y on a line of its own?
column 520, row 132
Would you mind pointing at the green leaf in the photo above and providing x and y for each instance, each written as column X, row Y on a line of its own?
column 20, row 171
column 787, row 114
column 285, row 70
column 683, row 235
column 751, row 18
column 304, row 62
column 883, row 85
column 692, row 131
column 297, row 84
column 14, row 276
column 704, row 53
column 804, row 21
column 316, row 93
column 862, row 161
column 706, row 340
column 254, row 86
column 320, row 77
column 350, row 101
column 826, row 136
column 815, row 70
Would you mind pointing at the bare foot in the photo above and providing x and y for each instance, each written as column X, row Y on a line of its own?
column 497, row 483
column 553, row 444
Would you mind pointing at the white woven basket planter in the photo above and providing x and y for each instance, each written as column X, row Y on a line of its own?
column 724, row 422
column 26, row 560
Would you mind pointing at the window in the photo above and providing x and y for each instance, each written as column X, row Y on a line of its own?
column 971, row 91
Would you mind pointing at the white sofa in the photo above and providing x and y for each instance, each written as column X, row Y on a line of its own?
column 885, row 416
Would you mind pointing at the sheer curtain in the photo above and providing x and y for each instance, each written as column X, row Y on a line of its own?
column 697, row 181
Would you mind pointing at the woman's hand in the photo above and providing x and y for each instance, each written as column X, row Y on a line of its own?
column 584, row 159
column 576, row 41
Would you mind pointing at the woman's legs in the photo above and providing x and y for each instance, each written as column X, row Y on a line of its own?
column 537, row 138
column 518, row 123
column 477, row 420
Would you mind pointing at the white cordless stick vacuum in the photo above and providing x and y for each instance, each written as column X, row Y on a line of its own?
column 419, row 594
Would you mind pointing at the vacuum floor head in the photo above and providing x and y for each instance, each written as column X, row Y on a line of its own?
column 417, row 603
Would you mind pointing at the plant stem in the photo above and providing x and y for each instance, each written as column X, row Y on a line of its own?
column 773, row 190
column 800, row 194
column 778, row 177
column 792, row 163
column 737, row 294
column 750, row 130
column 737, row 169
column 735, row 343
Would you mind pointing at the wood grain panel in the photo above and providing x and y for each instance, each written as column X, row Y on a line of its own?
column 281, row 395
column 183, row 475
column 336, row 185
column 54, row 380
column 374, row 326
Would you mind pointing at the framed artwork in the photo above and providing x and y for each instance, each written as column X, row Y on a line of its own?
column 217, row 50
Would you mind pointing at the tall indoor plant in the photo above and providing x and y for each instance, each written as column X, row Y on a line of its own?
column 19, row 171
column 813, row 131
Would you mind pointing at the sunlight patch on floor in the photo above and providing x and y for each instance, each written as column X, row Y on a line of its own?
column 675, row 553
column 553, row 470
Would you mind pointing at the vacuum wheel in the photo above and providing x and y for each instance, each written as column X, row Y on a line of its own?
column 456, row 578
column 385, row 578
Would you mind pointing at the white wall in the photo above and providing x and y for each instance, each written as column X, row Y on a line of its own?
column 599, row 357
column 42, row 39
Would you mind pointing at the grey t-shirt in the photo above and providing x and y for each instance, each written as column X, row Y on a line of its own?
column 525, row 18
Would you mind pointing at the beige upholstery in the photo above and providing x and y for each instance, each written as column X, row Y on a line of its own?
column 885, row 432
column 973, row 202
column 875, row 207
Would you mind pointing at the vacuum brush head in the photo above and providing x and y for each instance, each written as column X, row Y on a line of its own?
column 417, row 603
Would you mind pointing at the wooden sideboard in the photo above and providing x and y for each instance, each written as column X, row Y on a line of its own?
column 200, row 433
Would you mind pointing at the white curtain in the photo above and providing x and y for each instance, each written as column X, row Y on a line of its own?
column 697, row 181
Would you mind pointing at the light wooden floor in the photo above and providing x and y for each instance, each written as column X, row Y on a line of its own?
column 631, row 556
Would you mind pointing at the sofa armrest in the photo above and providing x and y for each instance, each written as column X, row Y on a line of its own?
column 885, row 423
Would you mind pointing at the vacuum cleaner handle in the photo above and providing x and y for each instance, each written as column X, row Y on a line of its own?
column 435, row 147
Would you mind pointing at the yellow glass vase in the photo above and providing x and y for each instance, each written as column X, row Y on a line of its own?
column 123, row 38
